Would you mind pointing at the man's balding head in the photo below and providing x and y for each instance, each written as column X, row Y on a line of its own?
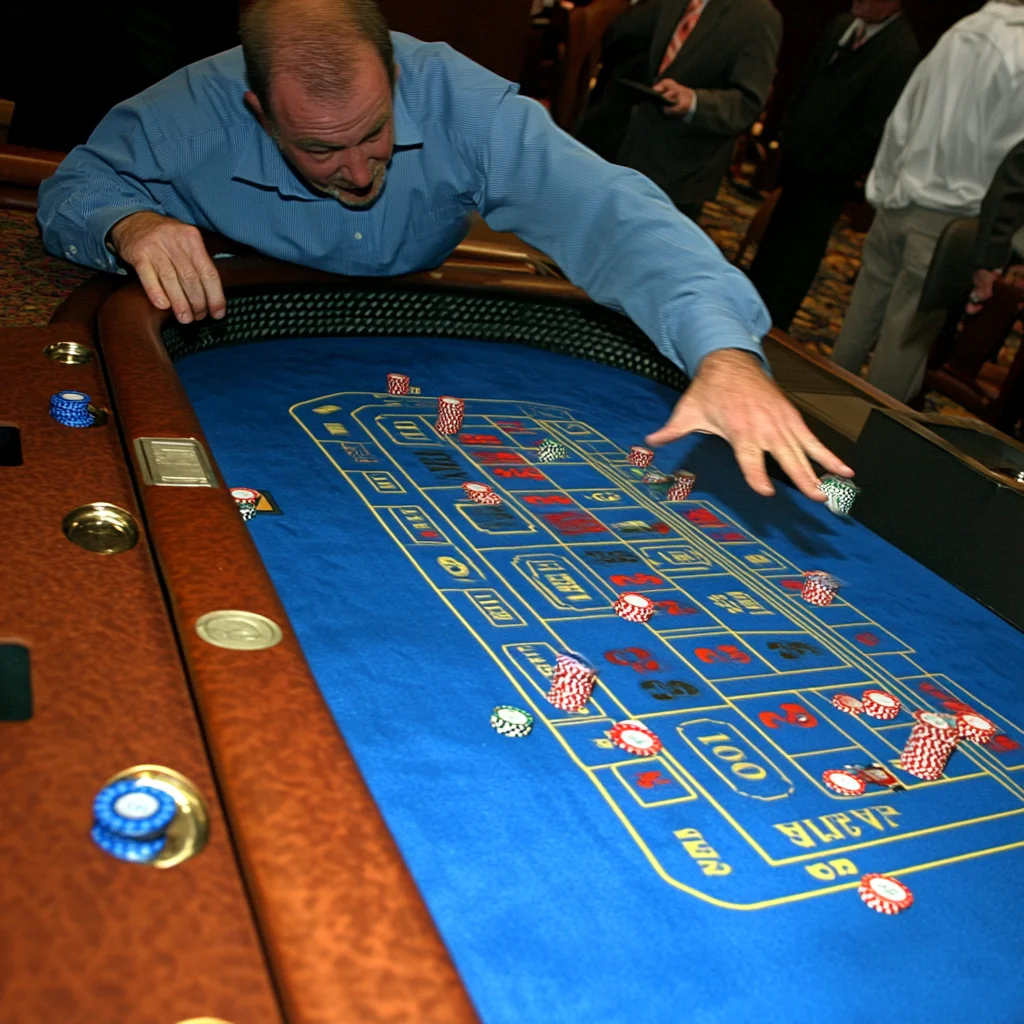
column 318, row 43
column 322, row 77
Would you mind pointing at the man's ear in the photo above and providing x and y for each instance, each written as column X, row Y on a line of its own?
column 253, row 103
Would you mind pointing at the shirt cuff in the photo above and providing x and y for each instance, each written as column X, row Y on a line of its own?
column 98, row 225
column 712, row 333
column 689, row 115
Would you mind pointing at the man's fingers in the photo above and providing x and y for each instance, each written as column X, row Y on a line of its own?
column 825, row 458
column 791, row 458
column 209, row 278
column 750, row 459
column 683, row 421
column 150, row 281
column 172, row 286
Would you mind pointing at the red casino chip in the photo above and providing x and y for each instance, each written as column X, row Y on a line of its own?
column 635, row 738
column 245, row 495
column 972, row 726
column 640, row 456
column 450, row 412
column 878, row 775
column 682, row 485
column 482, row 494
column 634, row 607
column 879, row 704
column 819, row 589
column 885, row 894
column 844, row 702
column 846, row 782
column 398, row 384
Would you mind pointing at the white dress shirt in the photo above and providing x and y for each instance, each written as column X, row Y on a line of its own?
column 961, row 112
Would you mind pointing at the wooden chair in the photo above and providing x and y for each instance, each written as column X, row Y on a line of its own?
column 758, row 226
column 587, row 26
column 22, row 170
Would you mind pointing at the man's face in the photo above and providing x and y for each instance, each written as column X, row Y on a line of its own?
column 340, row 147
column 875, row 10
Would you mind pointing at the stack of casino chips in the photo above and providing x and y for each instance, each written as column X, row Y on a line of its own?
column 972, row 726
column 682, row 485
column 879, row 704
column 634, row 607
column 71, row 409
column 510, row 721
column 819, row 588
column 450, row 412
column 482, row 494
column 398, row 384
column 640, row 456
column 550, row 451
column 635, row 738
column 246, row 499
column 572, row 682
column 931, row 744
column 131, row 819
column 840, row 492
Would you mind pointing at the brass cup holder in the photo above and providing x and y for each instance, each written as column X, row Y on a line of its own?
column 69, row 352
column 188, row 833
column 101, row 528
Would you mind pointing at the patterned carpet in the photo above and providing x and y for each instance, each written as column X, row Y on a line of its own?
column 32, row 283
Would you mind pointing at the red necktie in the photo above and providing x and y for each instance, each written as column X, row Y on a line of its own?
column 686, row 25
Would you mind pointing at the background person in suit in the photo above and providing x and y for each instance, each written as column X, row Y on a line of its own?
column 1000, row 226
column 828, row 139
column 714, row 61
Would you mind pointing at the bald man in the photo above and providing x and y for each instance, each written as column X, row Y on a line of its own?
column 328, row 141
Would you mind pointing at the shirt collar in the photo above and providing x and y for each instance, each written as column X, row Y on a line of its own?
column 262, row 164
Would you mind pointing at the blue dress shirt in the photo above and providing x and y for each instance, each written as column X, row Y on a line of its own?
column 189, row 148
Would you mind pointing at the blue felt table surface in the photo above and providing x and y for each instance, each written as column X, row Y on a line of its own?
column 571, row 882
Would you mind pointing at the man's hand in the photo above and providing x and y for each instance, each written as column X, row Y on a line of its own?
column 680, row 98
column 733, row 397
column 172, row 263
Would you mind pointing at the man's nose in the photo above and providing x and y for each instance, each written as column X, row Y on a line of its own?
column 358, row 170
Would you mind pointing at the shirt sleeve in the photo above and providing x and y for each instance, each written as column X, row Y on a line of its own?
column 615, row 235
column 103, row 182
column 1002, row 213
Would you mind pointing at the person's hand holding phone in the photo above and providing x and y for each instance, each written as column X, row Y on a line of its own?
column 678, row 98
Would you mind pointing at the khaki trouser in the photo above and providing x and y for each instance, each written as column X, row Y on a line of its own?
column 883, row 309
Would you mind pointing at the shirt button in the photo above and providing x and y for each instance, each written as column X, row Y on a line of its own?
column 72, row 249
column 359, row 236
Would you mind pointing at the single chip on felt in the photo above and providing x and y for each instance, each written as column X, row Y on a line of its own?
column 885, row 894
column 879, row 704
column 511, row 721
column 877, row 774
column 845, row 782
column 482, row 494
column 635, row 738
column 245, row 494
column 844, row 702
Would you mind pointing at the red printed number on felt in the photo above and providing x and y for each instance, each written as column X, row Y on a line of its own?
column 547, row 499
column 635, row 658
column 796, row 714
column 724, row 652
column 524, row 473
column 636, row 580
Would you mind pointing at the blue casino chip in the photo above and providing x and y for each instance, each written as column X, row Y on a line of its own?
column 136, row 851
column 71, row 408
column 132, row 810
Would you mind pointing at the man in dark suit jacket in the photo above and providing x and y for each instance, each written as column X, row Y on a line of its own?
column 829, row 138
column 1002, row 216
column 715, row 85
